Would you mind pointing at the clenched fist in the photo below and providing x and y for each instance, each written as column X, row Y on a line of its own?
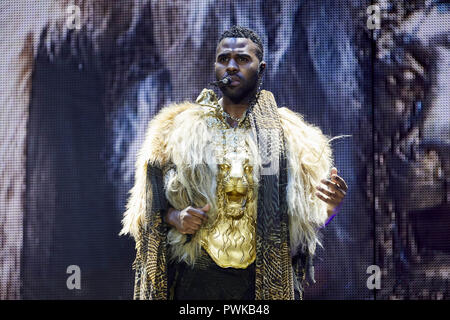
column 189, row 220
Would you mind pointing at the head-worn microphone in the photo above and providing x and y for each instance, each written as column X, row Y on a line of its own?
column 225, row 81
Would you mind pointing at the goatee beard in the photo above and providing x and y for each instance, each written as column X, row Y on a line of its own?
column 247, row 93
column 247, row 97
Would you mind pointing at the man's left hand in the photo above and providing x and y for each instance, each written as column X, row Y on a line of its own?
column 333, row 196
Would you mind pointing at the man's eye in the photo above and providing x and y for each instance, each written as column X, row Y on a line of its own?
column 243, row 59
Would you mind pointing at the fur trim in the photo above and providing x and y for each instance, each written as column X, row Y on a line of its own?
column 194, row 182
column 154, row 151
column 309, row 160
column 181, row 127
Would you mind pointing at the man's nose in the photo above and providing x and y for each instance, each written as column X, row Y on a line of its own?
column 232, row 66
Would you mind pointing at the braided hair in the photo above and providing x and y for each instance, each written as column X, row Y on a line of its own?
column 243, row 32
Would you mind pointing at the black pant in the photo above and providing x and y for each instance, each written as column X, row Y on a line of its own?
column 207, row 281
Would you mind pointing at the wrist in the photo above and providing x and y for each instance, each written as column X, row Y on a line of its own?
column 330, row 212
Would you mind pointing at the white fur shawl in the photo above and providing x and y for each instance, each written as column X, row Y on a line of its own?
column 309, row 160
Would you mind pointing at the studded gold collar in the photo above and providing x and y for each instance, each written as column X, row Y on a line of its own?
column 209, row 98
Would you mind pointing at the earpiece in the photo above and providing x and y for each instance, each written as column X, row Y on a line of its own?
column 261, row 68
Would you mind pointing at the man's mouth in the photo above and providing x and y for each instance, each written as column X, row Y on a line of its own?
column 235, row 80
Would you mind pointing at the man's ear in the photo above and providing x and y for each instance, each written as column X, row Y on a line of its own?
column 262, row 66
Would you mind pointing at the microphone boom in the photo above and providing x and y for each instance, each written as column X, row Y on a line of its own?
column 220, row 83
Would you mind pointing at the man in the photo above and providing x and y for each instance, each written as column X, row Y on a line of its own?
column 227, row 201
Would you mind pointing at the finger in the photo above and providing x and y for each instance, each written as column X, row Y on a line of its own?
column 341, row 182
column 329, row 183
column 334, row 170
column 198, row 213
column 326, row 192
column 333, row 186
column 206, row 207
column 338, row 189
column 194, row 227
column 340, row 193
column 335, row 189
column 189, row 231
column 322, row 197
column 184, row 231
column 194, row 220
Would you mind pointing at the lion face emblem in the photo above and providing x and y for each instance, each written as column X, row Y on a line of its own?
column 235, row 182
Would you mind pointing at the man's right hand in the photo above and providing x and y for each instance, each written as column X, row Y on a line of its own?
column 189, row 220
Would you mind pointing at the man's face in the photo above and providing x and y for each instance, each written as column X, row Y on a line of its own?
column 236, row 57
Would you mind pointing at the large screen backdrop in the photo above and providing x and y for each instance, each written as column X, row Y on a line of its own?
column 80, row 80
